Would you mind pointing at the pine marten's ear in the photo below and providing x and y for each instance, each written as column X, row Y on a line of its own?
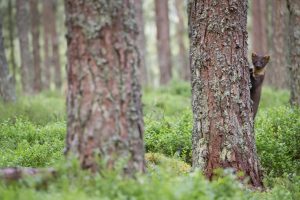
column 254, row 57
column 266, row 59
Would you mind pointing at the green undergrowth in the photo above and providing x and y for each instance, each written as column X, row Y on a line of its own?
column 41, row 109
column 157, row 183
column 32, row 134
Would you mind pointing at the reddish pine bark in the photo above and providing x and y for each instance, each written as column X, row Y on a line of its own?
column 223, row 133
column 104, row 96
column 163, row 41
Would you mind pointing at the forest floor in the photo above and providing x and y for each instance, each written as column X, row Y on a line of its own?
column 32, row 134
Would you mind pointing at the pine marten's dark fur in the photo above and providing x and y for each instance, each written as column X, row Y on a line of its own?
column 257, row 75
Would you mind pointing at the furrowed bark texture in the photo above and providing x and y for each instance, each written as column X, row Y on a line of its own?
column 259, row 34
column 104, row 97
column 181, row 32
column 47, row 40
column 141, row 41
column 7, row 89
column 163, row 41
column 294, row 53
column 55, row 44
column 277, row 74
column 27, row 71
column 11, row 40
column 35, row 31
column 223, row 135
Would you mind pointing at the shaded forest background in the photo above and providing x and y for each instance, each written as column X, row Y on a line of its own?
column 267, row 22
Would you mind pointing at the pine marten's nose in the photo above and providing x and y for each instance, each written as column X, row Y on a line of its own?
column 259, row 65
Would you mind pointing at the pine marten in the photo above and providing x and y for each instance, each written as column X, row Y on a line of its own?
column 257, row 75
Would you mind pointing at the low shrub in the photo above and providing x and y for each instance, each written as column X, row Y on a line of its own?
column 26, row 144
column 169, row 136
column 278, row 140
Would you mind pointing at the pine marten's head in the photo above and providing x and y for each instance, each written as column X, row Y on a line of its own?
column 259, row 64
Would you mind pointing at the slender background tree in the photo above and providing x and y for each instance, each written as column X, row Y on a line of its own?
column 7, row 89
column 35, row 31
column 11, row 29
column 55, row 61
column 141, row 41
column 259, row 29
column 163, row 41
column 47, row 42
column 294, row 53
column 277, row 74
column 27, row 70
column 181, row 33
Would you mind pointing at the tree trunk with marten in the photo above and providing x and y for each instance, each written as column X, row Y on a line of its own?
column 223, row 133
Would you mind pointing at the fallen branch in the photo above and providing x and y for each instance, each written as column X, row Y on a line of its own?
column 15, row 173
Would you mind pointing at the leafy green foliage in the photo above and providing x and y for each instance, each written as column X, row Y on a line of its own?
column 170, row 136
column 26, row 144
column 278, row 140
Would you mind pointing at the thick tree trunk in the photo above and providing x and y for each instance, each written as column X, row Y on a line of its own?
column 104, row 97
column 47, row 38
column 35, row 31
column 141, row 41
column 259, row 21
column 7, row 88
column 294, row 53
column 276, row 76
column 223, row 134
column 11, row 40
column 55, row 44
column 27, row 72
column 163, row 41
column 181, row 32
